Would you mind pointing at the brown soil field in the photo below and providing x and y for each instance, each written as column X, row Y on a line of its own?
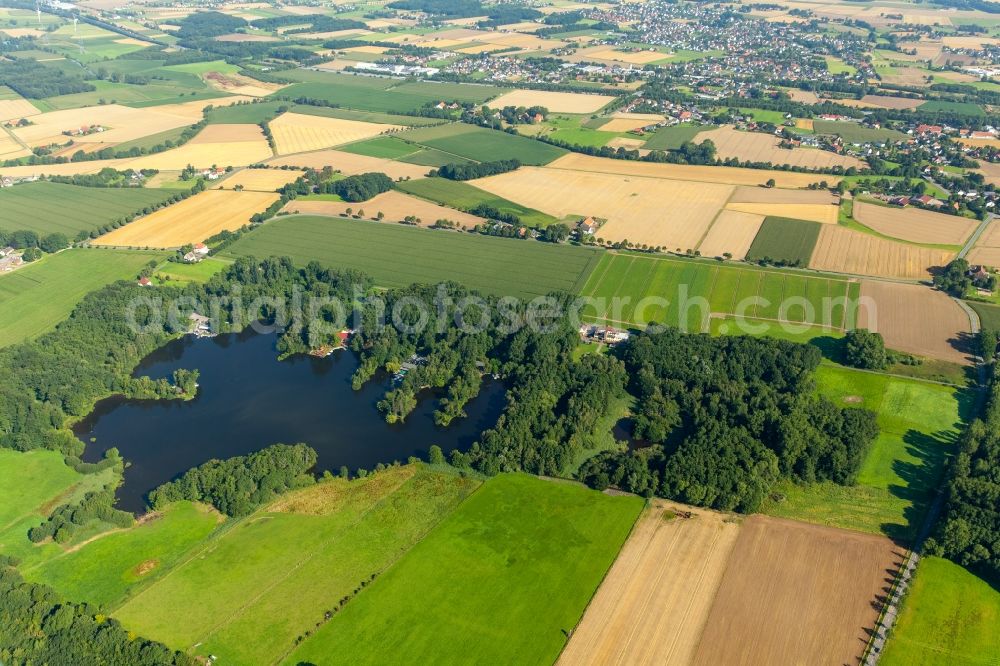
column 556, row 102
column 906, row 76
column 296, row 132
column 240, row 85
column 758, row 147
column 704, row 174
column 990, row 171
column 776, row 196
column 882, row 102
column 394, row 205
column 847, row 251
column 803, row 96
column 261, row 180
column 227, row 133
column 350, row 164
column 15, row 109
column 192, row 220
column 626, row 122
column 634, row 207
column 987, row 248
column 915, row 225
column 797, row 594
column 822, row 213
column 653, row 603
column 732, row 232
column 915, row 319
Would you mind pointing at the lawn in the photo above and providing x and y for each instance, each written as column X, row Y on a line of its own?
column 949, row 616
column 503, row 579
column 989, row 315
column 199, row 272
column 104, row 570
column 583, row 136
column 639, row 289
column 964, row 108
column 369, row 93
column 481, row 144
column 671, row 138
column 785, row 239
column 38, row 296
column 919, row 424
column 45, row 207
column 396, row 255
column 461, row 195
column 246, row 595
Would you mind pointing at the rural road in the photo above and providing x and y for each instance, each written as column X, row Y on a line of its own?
column 975, row 235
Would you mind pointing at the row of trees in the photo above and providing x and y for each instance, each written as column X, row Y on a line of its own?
column 471, row 171
column 23, row 239
column 727, row 417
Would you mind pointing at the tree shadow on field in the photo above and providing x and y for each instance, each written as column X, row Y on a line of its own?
column 920, row 480
column 830, row 347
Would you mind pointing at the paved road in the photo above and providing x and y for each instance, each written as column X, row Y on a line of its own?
column 975, row 235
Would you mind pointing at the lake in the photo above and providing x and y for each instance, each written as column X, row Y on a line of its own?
column 247, row 400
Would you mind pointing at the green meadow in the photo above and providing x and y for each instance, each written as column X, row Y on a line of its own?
column 785, row 239
column 504, row 579
column 461, row 195
column 481, row 144
column 396, row 255
column 949, row 616
column 38, row 296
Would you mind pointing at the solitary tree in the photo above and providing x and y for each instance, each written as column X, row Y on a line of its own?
column 865, row 349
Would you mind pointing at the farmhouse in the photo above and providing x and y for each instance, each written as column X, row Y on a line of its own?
column 589, row 226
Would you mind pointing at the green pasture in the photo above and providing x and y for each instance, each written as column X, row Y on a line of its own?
column 627, row 284
column 396, row 255
column 855, row 133
column 38, row 296
column 671, row 138
column 388, row 147
column 46, row 208
column 504, row 579
column 461, row 195
column 181, row 272
column 246, row 595
column 365, row 116
column 949, row 616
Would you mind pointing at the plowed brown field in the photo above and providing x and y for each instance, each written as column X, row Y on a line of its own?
column 915, row 319
column 797, row 594
column 847, row 251
column 915, row 225
column 652, row 606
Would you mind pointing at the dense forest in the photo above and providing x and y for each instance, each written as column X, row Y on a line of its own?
column 236, row 486
column 969, row 531
column 476, row 170
column 726, row 417
column 32, row 79
column 37, row 626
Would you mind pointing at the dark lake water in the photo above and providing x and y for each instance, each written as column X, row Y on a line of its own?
column 248, row 400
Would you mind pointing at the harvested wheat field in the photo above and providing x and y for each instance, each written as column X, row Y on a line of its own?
column 240, row 85
column 63, row 169
column 915, row 225
column 210, row 147
column 121, row 123
column 223, row 133
column 628, row 143
column 261, row 180
column 15, row 109
column 649, row 211
column 192, row 220
column 915, row 319
column 704, row 174
column 882, row 102
column 847, row 251
column 822, row 213
column 757, row 147
column 395, row 206
column 626, row 122
column 770, row 195
column 733, row 232
column 631, row 57
column 990, row 171
column 803, row 96
column 804, row 124
column 11, row 149
column 797, row 594
column 556, row 102
column 350, row 164
column 987, row 247
column 653, row 604
column 297, row 133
